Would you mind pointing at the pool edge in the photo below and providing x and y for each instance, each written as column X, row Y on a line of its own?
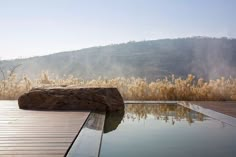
column 89, row 136
column 209, row 112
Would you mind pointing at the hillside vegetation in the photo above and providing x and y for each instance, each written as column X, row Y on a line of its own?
column 209, row 58
column 147, row 70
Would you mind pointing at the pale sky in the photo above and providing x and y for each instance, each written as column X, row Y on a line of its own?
column 40, row 27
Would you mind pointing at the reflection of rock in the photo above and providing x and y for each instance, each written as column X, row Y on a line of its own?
column 113, row 119
column 95, row 121
column 72, row 99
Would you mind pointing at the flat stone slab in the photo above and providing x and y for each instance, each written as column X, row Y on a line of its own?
column 64, row 98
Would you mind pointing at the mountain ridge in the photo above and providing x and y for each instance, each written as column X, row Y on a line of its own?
column 152, row 59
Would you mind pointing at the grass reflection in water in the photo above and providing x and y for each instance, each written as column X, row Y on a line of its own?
column 165, row 130
column 170, row 113
column 166, row 112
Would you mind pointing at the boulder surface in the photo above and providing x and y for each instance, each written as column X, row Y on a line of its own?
column 63, row 98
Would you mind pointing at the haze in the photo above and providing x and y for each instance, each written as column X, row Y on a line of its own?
column 33, row 28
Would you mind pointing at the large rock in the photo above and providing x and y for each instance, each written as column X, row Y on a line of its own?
column 102, row 99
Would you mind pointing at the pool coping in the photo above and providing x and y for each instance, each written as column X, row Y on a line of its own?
column 88, row 141
column 208, row 112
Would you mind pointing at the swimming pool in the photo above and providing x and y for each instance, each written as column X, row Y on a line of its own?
column 151, row 130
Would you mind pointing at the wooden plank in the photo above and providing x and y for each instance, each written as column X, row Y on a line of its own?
column 62, row 139
column 30, row 144
column 38, row 136
column 36, row 152
column 42, row 148
column 33, row 142
column 37, row 133
column 34, row 131
column 33, row 125
column 214, row 112
column 38, row 129
column 225, row 107
column 30, row 155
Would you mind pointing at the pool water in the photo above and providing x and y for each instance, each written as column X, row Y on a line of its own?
column 165, row 130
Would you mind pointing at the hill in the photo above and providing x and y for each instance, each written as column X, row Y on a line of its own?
column 202, row 56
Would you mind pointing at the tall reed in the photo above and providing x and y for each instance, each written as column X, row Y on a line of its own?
column 170, row 88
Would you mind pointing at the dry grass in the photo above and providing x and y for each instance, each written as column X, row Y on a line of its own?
column 131, row 88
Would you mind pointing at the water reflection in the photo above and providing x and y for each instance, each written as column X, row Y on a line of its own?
column 95, row 121
column 162, row 130
column 166, row 112
column 113, row 119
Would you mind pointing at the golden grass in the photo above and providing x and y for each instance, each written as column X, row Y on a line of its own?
column 132, row 88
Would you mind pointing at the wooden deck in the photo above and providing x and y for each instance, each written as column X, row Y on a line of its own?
column 37, row 133
column 27, row 133
column 225, row 107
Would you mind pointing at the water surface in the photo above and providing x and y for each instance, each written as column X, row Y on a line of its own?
column 151, row 130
